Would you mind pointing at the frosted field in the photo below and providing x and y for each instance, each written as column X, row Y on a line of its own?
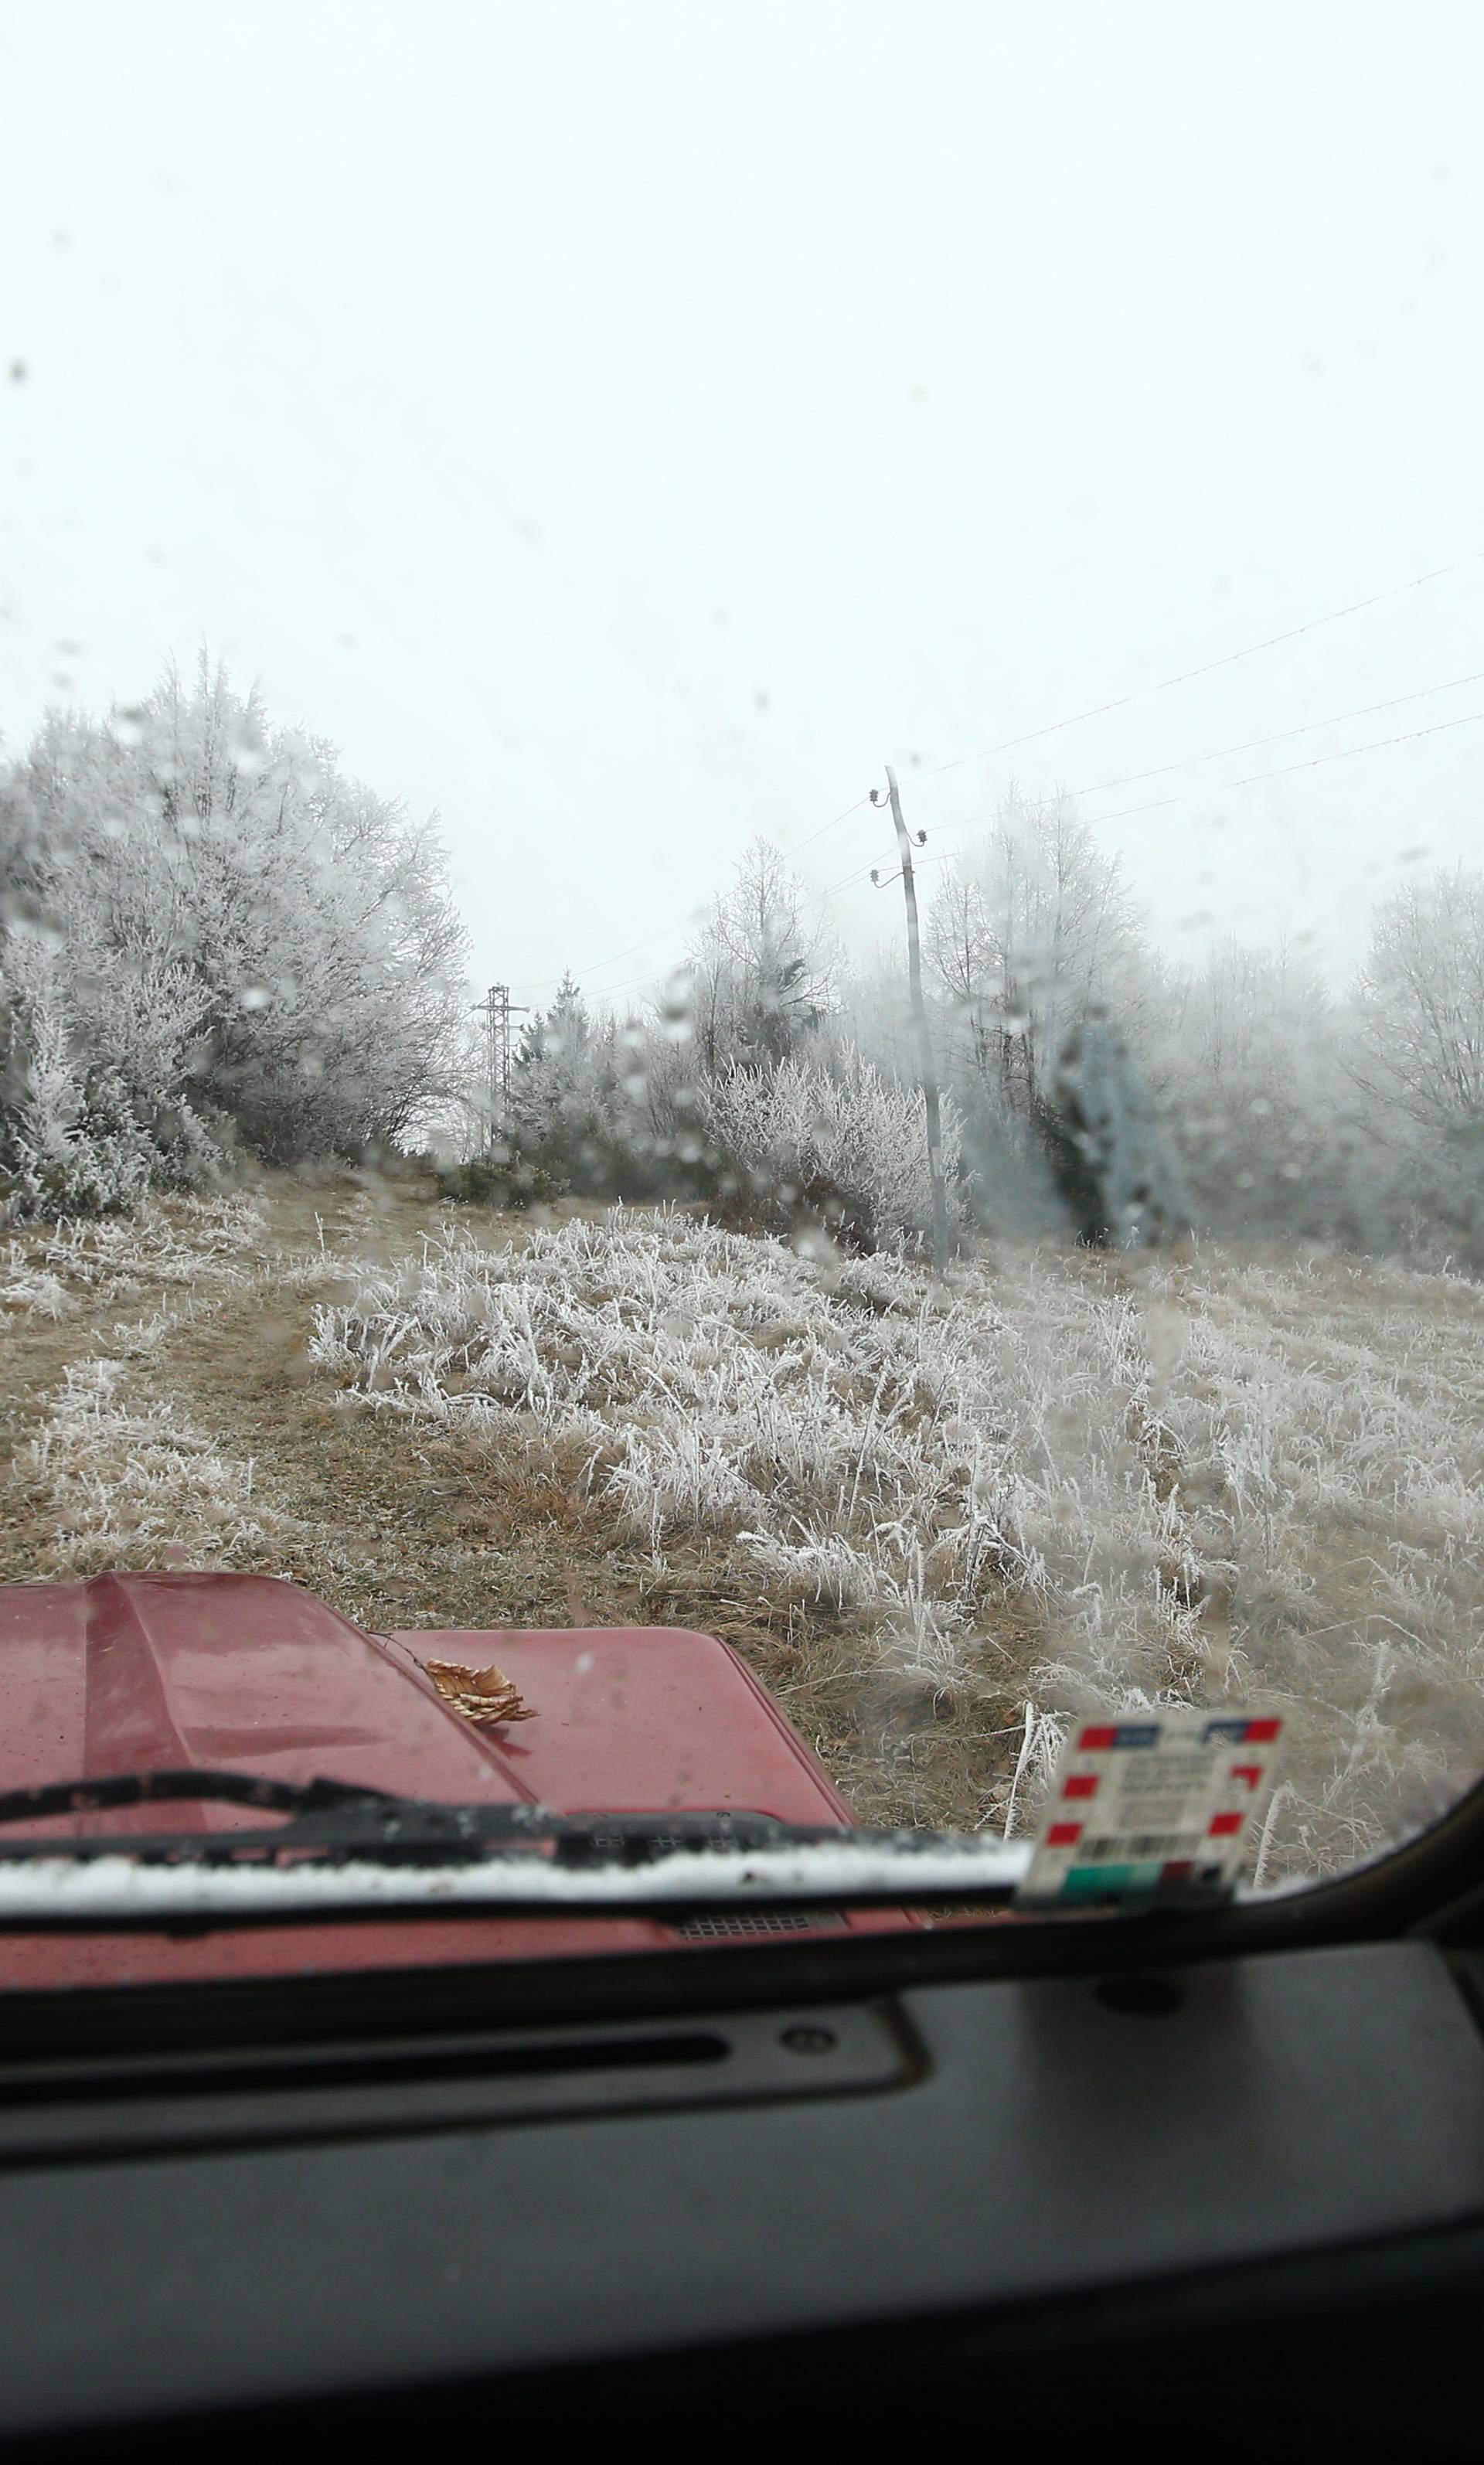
column 1060, row 1481
column 941, row 1519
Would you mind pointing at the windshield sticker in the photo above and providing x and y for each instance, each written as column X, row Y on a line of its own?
column 1160, row 1805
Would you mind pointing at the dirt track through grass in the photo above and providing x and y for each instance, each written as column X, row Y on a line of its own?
column 260, row 1466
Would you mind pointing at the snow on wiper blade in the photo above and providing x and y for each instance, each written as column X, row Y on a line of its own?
column 352, row 1852
column 848, row 1871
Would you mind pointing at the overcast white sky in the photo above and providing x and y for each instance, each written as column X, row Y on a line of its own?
column 623, row 427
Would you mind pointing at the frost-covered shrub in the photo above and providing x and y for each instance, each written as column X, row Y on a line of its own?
column 96, row 1058
column 504, row 1180
column 206, row 928
column 845, row 1145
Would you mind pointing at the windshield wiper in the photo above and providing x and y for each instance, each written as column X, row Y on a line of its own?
column 345, row 1849
column 351, row 1819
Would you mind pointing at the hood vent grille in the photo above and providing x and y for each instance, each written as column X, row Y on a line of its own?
column 759, row 1922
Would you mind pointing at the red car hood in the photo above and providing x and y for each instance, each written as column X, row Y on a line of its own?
column 132, row 1673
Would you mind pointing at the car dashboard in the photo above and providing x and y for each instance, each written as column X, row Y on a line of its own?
column 1046, row 2195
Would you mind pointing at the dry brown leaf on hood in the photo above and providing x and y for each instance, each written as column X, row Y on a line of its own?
column 484, row 1695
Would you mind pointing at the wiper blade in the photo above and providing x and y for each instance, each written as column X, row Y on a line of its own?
column 349, row 1850
column 349, row 1819
column 160, row 1787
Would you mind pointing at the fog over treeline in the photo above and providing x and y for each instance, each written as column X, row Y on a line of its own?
column 214, row 947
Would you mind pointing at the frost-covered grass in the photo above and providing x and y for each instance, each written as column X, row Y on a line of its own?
column 113, row 1472
column 190, row 1244
column 705, row 1383
column 1055, row 1482
column 32, row 1289
column 1327, row 1416
column 131, row 1480
column 941, row 1521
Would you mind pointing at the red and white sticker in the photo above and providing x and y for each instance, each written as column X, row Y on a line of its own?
column 1154, row 1804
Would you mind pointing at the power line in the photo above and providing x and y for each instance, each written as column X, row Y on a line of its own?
column 796, row 845
column 647, row 977
column 526, row 983
column 1228, row 658
column 1098, row 710
column 1158, row 804
column 791, row 847
column 858, row 874
column 1284, row 770
column 1283, row 735
column 862, row 870
column 1161, row 803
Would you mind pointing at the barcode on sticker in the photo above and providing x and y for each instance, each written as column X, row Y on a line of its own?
column 1142, row 1844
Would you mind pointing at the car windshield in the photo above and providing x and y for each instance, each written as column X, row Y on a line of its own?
column 742, row 956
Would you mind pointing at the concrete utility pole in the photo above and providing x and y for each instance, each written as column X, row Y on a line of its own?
column 935, row 1156
column 498, row 1009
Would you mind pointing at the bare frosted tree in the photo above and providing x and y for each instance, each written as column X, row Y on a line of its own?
column 1419, row 1046
column 1030, row 930
column 760, row 969
column 1243, row 1056
column 1417, row 1053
